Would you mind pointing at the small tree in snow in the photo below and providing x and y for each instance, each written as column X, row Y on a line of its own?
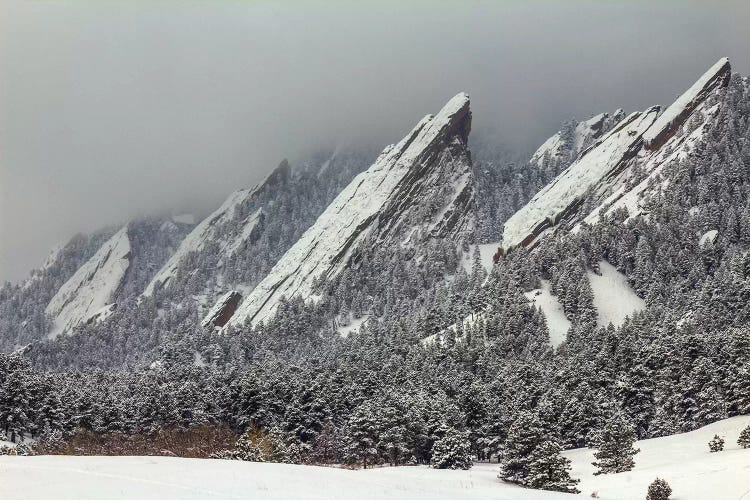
column 658, row 490
column 548, row 469
column 744, row 439
column 615, row 447
column 716, row 444
column 451, row 451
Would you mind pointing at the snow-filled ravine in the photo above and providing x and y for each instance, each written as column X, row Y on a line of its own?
column 613, row 298
column 683, row 460
column 557, row 323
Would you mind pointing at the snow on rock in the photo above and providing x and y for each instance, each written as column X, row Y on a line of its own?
column 430, row 166
column 614, row 299
column 676, row 114
column 682, row 459
column 88, row 295
column 557, row 323
column 604, row 159
column 210, row 229
column 708, row 237
column 603, row 178
column 560, row 146
column 224, row 308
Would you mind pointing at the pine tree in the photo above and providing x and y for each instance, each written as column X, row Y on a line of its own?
column 524, row 435
column 452, row 451
column 615, row 447
column 548, row 469
column 744, row 439
column 716, row 444
column 658, row 490
column 362, row 437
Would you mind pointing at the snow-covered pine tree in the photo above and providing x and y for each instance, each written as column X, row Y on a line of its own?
column 716, row 444
column 549, row 470
column 524, row 435
column 615, row 447
column 658, row 490
column 451, row 451
column 744, row 439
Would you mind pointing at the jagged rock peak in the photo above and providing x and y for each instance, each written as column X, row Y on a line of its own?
column 280, row 175
column 599, row 172
column 89, row 294
column 211, row 228
column 417, row 189
column 675, row 115
column 575, row 137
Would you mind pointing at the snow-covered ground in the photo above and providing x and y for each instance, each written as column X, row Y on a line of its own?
column 487, row 253
column 613, row 298
column 683, row 460
column 557, row 323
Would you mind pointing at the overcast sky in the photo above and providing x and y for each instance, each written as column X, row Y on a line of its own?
column 113, row 109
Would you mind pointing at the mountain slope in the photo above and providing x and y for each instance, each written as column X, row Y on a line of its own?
column 90, row 291
column 568, row 143
column 417, row 189
column 227, row 226
column 599, row 175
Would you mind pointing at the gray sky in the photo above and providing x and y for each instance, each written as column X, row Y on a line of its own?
column 112, row 109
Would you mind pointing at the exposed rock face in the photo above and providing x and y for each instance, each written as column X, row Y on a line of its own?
column 572, row 140
column 599, row 175
column 672, row 119
column 605, row 159
column 88, row 295
column 417, row 189
column 213, row 228
column 224, row 309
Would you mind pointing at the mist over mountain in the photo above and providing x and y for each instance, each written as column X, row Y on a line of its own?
column 109, row 111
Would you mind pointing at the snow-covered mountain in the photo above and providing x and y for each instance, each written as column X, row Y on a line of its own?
column 417, row 189
column 602, row 177
column 234, row 224
column 90, row 293
column 120, row 264
column 574, row 137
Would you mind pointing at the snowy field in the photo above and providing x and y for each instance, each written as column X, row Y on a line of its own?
column 683, row 460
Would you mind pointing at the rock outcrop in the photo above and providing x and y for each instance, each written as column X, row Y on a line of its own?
column 89, row 294
column 598, row 177
column 417, row 189
column 214, row 228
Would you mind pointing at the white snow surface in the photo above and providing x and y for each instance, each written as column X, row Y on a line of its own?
column 326, row 246
column 683, row 460
column 557, row 323
column 93, row 287
column 487, row 253
column 603, row 158
column 708, row 237
column 354, row 325
column 614, row 299
column 687, row 101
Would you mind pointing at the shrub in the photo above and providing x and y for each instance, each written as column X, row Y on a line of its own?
column 716, row 444
column 658, row 490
